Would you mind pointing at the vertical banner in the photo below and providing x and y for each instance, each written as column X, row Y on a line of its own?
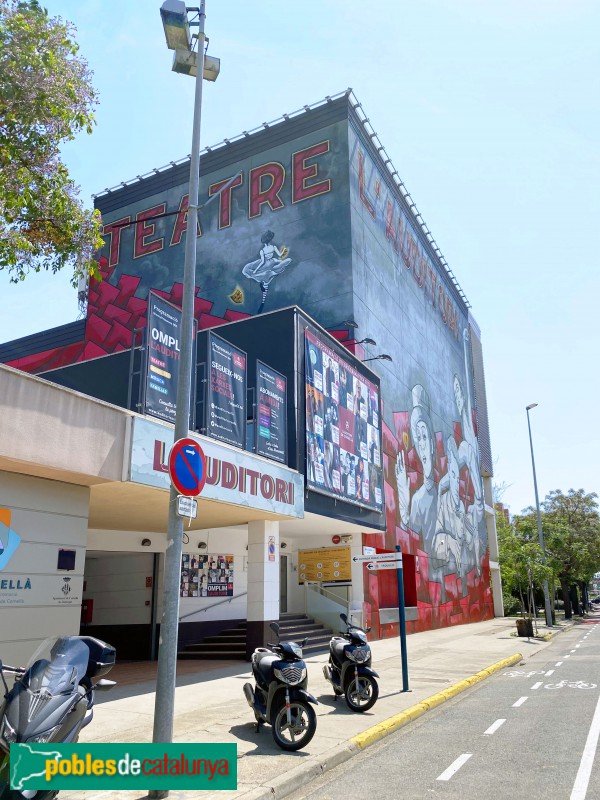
column 162, row 362
column 271, row 413
column 226, row 387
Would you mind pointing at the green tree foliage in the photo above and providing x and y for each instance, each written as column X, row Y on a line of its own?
column 520, row 558
column 46, row 98
column 571, row 528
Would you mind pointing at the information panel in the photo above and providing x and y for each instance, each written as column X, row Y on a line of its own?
column 226, row 402
column 343, row 428
column 271, row 422
column 324, row 564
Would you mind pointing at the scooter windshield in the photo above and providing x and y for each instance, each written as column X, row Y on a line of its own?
column 57, row 665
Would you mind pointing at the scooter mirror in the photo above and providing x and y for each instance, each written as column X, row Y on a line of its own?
column 344, row 618
column 275, row 628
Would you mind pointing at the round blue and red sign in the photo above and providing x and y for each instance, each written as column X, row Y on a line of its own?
column 187, row 467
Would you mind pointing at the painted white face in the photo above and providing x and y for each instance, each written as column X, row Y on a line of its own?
column 458, row 395
column 454, row 477
column 424, row 448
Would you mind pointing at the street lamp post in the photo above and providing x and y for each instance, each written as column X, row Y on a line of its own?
column 174, row 16
column 539, row 523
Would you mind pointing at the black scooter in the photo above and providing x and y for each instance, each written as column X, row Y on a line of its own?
column 51, row 700
column 279, row 696
column 349, row 668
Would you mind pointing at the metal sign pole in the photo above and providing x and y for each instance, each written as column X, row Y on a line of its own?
column 402, row 620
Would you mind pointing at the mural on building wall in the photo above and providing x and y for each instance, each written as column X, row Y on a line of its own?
column 433, row 487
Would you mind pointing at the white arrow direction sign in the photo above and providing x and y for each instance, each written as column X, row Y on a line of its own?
column 385, row 565
column 379, row 557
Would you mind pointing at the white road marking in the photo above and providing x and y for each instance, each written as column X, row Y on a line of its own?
column 567, row 656
column 587, row 759
column 550, row 672
column 558, row 664
column 572, row 651
column 537, row 685
column 493, row 728
column 519, row 702
column 577, row 645
column 454, row 767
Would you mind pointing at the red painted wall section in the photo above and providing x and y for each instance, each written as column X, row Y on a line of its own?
column 113, row 313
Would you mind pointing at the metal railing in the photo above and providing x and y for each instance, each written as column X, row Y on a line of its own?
column 213, row 605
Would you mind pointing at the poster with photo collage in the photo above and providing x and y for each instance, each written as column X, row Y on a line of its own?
column 343, row 428
column 205, row 575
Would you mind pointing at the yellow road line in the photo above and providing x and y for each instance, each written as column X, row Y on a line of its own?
column 398, row 720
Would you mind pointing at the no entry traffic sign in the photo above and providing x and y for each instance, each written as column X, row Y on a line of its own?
column 187, row 467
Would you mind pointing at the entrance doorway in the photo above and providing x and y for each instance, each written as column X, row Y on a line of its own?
column 283, row 587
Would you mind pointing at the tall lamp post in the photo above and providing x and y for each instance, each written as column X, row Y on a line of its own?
column 539, row 522
column 174, row 16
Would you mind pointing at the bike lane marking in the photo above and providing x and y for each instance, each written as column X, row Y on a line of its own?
column 494, row 727
column 454, row 767
column 587, row 759
column 519, row 702
column 537, row 685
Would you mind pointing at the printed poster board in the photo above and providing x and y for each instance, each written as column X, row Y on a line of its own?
column 226, row 406
column 205, row 575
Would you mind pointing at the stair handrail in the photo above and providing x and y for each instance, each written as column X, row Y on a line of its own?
column 213, row 605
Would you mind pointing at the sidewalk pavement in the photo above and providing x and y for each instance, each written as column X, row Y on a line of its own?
column 210, row 707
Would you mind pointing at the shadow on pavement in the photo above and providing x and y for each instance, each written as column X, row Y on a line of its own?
column 265, row 745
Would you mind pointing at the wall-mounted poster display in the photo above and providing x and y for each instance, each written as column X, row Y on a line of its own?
column 328, row 564
column 226, row 406
column 343, row 428
column 204, row 575
column 271, row 398
column 162, row 359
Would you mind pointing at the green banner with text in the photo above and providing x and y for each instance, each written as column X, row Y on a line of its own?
column 196, row 766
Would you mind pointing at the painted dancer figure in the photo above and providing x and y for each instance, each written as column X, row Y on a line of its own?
column 271, row 262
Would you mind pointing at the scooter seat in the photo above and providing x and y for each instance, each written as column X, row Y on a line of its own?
column 337, row 645
column 262, row 661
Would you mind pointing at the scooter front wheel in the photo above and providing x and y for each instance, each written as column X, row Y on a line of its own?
column 303, row 725
column 364, row 696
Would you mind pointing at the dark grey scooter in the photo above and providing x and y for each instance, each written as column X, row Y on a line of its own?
column 349, row 668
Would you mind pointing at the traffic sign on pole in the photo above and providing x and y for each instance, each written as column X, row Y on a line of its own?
column 391, row 557
column 187, row 467
column 383, row 565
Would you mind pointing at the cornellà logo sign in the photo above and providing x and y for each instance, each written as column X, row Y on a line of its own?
column 54, row 766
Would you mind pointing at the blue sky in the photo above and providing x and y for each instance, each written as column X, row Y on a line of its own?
column 490, row 113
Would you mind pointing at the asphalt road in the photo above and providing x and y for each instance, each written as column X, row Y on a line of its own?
column 529, row 732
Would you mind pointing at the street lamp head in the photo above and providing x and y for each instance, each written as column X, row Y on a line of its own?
column 366, row 340
column 380, row 357
column 529, row 407
column 175, row 23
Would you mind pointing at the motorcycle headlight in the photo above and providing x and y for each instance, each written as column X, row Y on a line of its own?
column 7, row 732
column 290, row 675
column 44, row 737
column 359, row 654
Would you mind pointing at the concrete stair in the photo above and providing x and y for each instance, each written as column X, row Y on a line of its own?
column 231, row 643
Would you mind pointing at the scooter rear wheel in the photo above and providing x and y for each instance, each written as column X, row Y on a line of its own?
column 300, row 732
column 363, row 698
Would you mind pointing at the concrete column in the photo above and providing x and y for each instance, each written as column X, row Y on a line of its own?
column 263, row 583
column 490, row 523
